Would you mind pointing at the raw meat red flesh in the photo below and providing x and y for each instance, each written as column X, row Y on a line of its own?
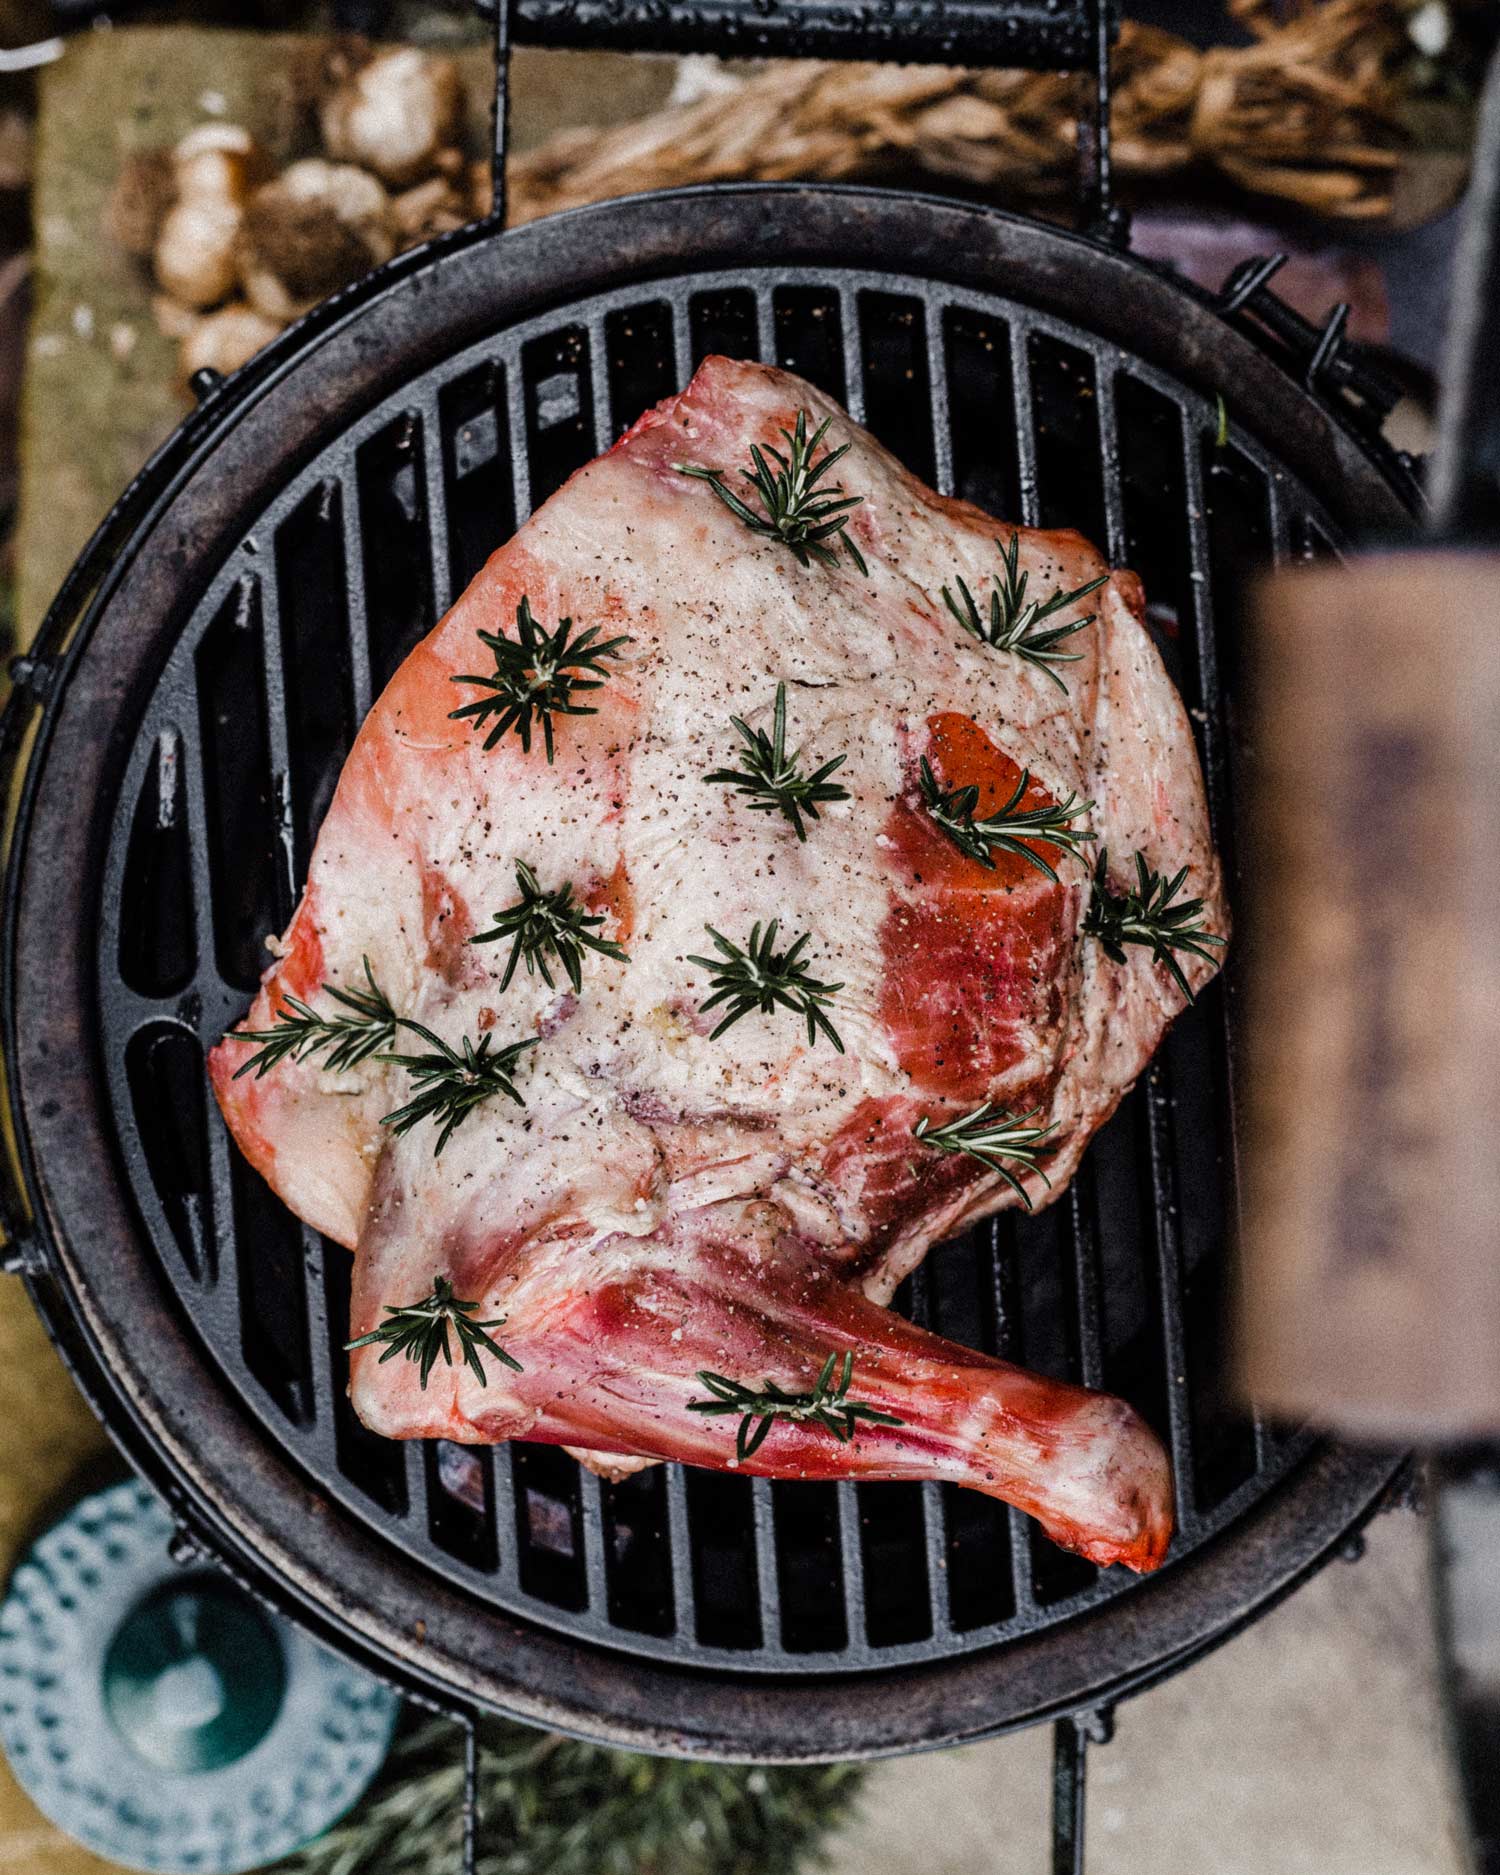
column 666, row 1203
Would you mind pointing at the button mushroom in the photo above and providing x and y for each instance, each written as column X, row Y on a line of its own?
column 213, row 167
column 315, row 229
column 396, row 115
column 223, row 340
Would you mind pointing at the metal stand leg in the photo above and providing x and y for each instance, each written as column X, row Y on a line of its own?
column 471, row 1796
column 1071, row 1738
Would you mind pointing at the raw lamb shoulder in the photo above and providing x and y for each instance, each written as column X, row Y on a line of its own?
column 665, row 1203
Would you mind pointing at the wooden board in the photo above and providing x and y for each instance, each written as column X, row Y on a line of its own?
column 1371, row 1284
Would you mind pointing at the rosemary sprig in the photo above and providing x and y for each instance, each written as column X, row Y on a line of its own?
column 993, row 1137
column 419, row 1330
column 451, row 1084
column 534, row 677
column 349, row 1039
column 757, row 978
column 774, row 779
column 828, row 1406
column 540, row 922
column 1146, row 915
column 952, row 811
column 1013, row 619
column 798, row 513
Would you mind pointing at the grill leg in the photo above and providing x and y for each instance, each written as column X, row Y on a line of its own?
column 1069, row 1762
column 1070, row 1742
column 471, row 1796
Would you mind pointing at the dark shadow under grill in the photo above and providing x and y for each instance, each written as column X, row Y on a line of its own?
column 1120, row 1284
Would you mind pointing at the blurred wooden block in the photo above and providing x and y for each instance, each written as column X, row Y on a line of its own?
column 1371, row 1287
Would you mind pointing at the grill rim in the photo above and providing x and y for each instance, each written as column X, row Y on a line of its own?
column 846, row 227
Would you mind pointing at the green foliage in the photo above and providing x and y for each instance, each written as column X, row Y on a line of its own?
column 551, row 1806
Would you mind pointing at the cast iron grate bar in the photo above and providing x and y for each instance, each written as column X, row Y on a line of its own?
column 362, row 690
column 680, row 1553
column 1109, row 460
column 1024, row 417
column 854, row 355
column 539, row 1538
column 500, row 1460
column 1169, row 1271
column 934, row 1521
column 434, row 496
column 937, row 393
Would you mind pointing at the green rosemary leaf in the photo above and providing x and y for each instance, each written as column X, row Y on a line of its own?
column 761, row 978
column 1221, row 432
column 1146, row 915
column 419, row 1331
column 536, row 677
column 773, row 779
column 828, row 1405
column 1014, row 620
column 300, row 1032
column 540, row 923
column 952, row 812
column 997, row 1139
column 794, row 510
column 450, row 1084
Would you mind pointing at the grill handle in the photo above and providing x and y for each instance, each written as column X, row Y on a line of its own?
column 1040, row 35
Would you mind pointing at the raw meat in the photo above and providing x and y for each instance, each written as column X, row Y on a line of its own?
column 666, row 1204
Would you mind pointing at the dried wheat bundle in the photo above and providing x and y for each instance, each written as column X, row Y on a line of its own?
column 1308, row 113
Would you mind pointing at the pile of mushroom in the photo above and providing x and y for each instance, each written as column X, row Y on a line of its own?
column 239, row 251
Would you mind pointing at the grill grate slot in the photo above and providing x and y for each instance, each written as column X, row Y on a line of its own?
column 460, row 1502
column 1237, row 507
column 893, row 1545
column 474, row 420
column 251, row 891
column 898, row 404
column 642, row 364
column 559, row 398
column 986, row 465
column 1157, row 543
column 393, row 527
column 721, row 1519
column 164, row 1068
column 1050, row 1336
column 273, row 1304
column 549, row 1526
column 1069, row 483
column 808, row 1567
column 723, row 323
column 1117, row 1283
column 1224, row 1446
column 373, row 1465
column 157, row 948
column 809, row 336
column 312, row 586
column 1130, row 1323
column 638, row 1555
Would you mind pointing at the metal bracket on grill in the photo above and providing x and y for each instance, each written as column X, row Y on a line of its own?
column 1329, row 360
column 185, row 1549
column 23, row 1256
column 33, row 674
column 1042, row 35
